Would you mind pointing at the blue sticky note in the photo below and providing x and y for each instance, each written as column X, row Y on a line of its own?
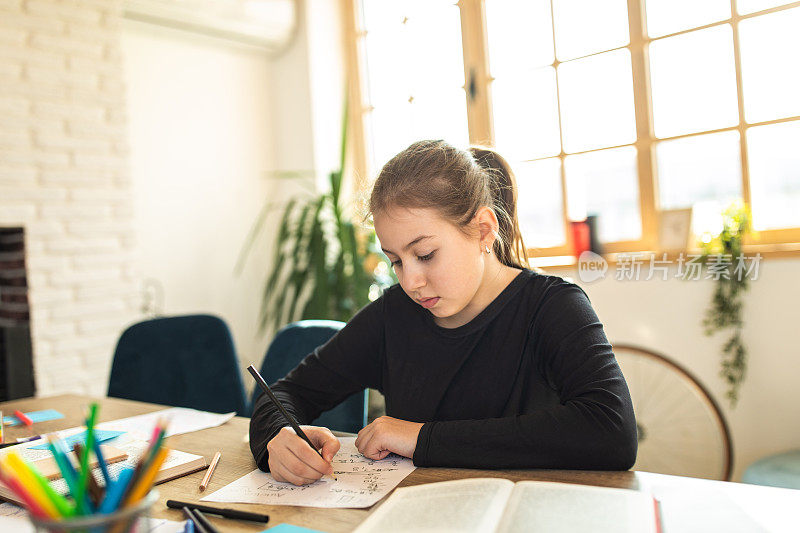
column 35, row 416
column 100, row 436
column 289, row 528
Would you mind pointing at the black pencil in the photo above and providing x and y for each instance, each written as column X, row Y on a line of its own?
column 223, row 512
column 204, row 521
column 199, row 527
column 289, row 418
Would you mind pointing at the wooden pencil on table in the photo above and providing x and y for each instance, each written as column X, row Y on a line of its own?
column 210, row 471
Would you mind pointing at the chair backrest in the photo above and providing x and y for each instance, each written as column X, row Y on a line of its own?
column 183, row 361
column 292, row 343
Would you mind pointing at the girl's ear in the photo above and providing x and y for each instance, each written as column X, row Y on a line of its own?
column 486, row 221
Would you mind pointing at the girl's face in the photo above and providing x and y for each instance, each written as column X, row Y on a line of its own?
column 438, row 266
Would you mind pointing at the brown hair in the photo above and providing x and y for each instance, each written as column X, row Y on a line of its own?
column 434, row 174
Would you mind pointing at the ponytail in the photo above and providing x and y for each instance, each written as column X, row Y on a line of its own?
column 509, row 247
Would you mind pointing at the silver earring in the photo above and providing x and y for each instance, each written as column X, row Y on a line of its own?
column 486, row 247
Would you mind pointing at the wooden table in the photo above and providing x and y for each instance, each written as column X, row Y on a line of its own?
column 238, row 461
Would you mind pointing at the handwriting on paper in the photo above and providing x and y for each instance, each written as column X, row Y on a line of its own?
column 360, row 483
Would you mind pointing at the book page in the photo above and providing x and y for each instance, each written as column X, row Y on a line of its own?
column 361, row 482
column 565, row 508
column 451, row 506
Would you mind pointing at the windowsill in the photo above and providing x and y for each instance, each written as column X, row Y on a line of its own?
column 766, row 251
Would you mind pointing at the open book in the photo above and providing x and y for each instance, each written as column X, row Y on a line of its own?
column 500, row 505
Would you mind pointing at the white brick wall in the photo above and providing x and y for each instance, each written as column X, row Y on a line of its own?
column 64, row 177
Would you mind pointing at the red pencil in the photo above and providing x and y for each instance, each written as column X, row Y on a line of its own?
column 32, row 505
column 22, row 418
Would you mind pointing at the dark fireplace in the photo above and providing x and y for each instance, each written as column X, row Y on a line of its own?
column 16, row 355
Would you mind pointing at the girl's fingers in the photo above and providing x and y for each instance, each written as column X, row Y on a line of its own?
column 326, row 441
column 364, row 435
column 369, row 446
column 287, row 476
column 329, row 449
column 305, row 462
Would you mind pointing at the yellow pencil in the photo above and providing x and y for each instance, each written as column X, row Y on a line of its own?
column 13, row 463
column 146, row 480
column 62, row 505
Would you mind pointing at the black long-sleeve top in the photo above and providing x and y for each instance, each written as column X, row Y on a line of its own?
column 531, row 382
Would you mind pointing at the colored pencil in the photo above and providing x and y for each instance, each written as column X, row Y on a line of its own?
column 83, row 479
column 101, row 461
column 116, row 491
column 66, row 468
column 64, row 507
column 30, row 503
column 1, row 428
column 146, row 481
column 86, row 503
column 30, row 485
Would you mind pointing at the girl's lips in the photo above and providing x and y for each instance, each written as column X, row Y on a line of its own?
column 427, row 303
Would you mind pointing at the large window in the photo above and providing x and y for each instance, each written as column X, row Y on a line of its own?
column 613, row 108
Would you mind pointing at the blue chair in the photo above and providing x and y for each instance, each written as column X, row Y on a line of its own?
column 779, row 470
column 292, row 343
column 182, row 361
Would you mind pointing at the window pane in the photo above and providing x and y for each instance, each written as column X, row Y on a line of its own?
column 597, row 101
column 751, row 6
column 774, row 175
column 694, row 82
column 770, row 48
column 670, row 16
column 701, row 168
column 416, row 94
column 519, row 33
column 525, row 112
column 539, row 205
column 587, row 26
column 605, row 184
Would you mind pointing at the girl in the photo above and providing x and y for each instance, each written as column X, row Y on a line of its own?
column 483, row 362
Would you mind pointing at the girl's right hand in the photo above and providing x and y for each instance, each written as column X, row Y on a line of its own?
column 292, row 459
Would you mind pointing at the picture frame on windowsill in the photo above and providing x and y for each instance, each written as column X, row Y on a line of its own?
column 674, row 229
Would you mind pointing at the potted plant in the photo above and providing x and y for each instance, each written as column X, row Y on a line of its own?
column 325, row 265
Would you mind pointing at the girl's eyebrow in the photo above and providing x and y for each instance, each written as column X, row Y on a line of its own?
column 409, row 245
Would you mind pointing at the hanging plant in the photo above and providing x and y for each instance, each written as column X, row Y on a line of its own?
column 725, row 262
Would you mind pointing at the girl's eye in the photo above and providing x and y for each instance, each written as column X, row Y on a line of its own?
column 397, row 263
column 426, row 257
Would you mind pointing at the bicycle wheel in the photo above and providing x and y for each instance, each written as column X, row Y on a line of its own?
column 681, row 429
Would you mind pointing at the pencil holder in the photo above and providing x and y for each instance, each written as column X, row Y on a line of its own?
column 133, row 519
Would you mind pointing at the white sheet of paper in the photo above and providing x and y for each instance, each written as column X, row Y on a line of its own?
column 181, row 420
column 361, row 482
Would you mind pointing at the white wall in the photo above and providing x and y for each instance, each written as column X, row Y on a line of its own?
column 201, row 146
column 64, row 178
column 665, row 316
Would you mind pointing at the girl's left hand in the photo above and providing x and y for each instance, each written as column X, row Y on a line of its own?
column 387, row 435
